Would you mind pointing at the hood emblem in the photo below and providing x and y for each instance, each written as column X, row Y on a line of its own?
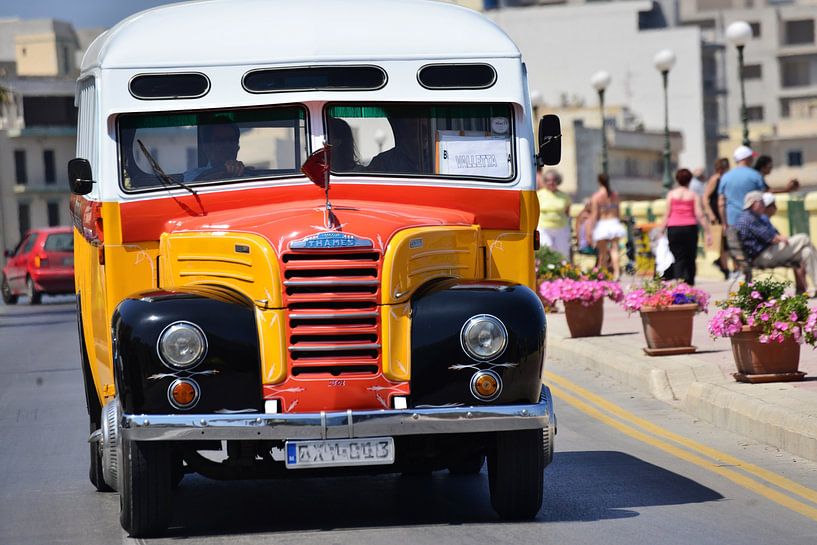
column 330, row 240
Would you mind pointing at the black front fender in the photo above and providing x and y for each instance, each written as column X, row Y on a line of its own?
column 229, row 376
column 441, row 370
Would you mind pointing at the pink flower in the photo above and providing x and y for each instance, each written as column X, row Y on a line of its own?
column 756, row 295
column 793, row 316
column 764, row 339
column 765, row 316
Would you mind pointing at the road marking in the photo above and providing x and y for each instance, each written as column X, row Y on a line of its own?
column 765, row 474
column 737, row 478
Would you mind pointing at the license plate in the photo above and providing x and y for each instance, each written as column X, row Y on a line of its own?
column 340, row 452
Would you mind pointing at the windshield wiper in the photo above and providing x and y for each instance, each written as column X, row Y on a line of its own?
column 157, row 170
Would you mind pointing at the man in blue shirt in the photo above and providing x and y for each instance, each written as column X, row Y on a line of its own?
column 766, row 248
column 736, row 183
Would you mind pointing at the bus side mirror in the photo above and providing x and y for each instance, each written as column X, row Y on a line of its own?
column 79, row 176
column 550, row 141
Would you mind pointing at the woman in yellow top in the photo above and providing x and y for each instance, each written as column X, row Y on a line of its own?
column 554, row 212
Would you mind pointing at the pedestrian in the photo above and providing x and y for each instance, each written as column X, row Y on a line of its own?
column 554, row 212
column 606, row 226
column 766, row 248
column 710, row 202
column 684, row 214
column 697, row 185
column 736, row 183
column 584, row 239
column 764, row 165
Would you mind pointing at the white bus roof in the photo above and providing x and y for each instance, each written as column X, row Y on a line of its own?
column 258, row 32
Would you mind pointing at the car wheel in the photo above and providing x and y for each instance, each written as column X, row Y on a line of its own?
column 34, row 296
column 8, row 297
column 470, row 464
column 95, row 469
column 146, row 488
column 515, row 473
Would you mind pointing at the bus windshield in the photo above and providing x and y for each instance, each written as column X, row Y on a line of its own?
column 445, row 140
column 194, row 148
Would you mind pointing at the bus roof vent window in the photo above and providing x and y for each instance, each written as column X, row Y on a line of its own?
column 457, row 76
column 169, row 86
column 315, row 78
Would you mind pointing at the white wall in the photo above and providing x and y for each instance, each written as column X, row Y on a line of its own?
column 563, row 46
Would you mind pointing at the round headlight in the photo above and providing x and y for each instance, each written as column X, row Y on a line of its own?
column 182, row 345
column 484, row 337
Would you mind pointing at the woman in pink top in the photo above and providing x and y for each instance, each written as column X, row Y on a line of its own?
column 684, row 213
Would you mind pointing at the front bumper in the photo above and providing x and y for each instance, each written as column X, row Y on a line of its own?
column 341, row 425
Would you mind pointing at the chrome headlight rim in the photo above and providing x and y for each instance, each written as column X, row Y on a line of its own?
column 469, row 323
column 195, row 362
column 196, row 397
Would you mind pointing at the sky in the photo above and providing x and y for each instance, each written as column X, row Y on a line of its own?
column 80, row 13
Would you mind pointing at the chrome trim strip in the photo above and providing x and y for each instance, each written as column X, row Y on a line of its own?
column 325, row 347
column 340, row 424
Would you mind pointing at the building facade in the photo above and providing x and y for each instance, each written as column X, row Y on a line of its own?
column 39, row 62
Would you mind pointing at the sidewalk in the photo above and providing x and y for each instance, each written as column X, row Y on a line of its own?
column 780, row 414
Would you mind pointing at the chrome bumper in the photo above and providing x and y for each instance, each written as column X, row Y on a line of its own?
column 341, row 425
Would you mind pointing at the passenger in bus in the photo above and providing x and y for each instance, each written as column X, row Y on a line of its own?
column 344, row 155
column 406, row 155
column 220, row 144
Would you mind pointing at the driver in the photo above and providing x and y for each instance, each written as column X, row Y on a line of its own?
column 220, row 145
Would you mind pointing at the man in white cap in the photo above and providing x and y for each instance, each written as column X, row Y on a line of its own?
column 766, row 248
column 736, row 183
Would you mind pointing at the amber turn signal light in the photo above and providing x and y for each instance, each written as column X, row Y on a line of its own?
column 183, row 393
column 486, row 385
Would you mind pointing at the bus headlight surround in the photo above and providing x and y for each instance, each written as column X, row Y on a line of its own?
column 484, row 337
column 182, row 345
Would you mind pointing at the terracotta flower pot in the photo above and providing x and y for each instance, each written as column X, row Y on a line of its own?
column 770, row 362
column 584, row 321
column 668, row 330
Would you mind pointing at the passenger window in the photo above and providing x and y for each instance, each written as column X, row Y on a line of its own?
column 30, row 241
column 59, row 242
column 473, row 141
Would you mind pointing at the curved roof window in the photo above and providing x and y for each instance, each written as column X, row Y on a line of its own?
column 315, row 78
column 457, row 76
column 169, row 86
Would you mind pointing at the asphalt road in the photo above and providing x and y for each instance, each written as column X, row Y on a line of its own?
column 614, row 480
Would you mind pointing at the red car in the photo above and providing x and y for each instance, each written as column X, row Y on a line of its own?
column 43, row 262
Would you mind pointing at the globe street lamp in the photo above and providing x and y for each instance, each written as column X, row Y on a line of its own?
column 738, row 33
column 600, row 81
column 664, row 61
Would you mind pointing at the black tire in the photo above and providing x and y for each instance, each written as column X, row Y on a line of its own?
column 94, row 410
column 8, row 297
column 470, row 464
column 34, row 296
column 516, row 472
column 145, row 498
column 95, row 469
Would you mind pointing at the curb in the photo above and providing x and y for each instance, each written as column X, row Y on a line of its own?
column 777, row 414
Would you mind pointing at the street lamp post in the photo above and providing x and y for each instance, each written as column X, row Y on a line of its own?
column 738, row 33
column 600, row 81
column 664, row 61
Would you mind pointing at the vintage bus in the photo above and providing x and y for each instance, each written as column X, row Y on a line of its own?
column 304, row 245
